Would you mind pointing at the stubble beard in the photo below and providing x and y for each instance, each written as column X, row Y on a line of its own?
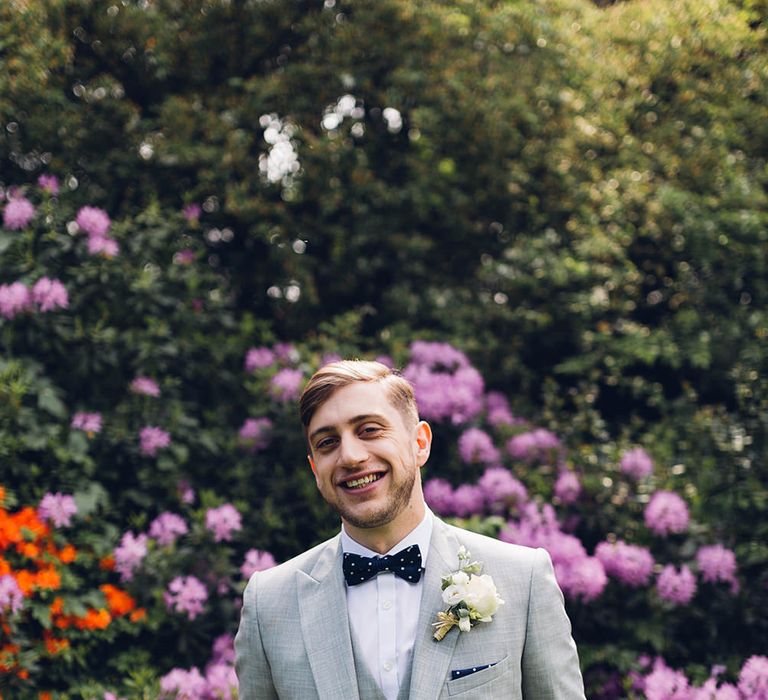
column 397, row 501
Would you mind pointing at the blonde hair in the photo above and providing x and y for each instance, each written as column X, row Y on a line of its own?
column 329, row 379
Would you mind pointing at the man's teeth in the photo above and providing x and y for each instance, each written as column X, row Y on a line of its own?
column 357, row 483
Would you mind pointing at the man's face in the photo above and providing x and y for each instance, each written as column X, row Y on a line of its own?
column 366, row 459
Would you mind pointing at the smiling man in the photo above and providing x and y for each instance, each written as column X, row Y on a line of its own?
column 353, row 617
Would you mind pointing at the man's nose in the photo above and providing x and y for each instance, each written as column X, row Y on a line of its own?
column 352, row 451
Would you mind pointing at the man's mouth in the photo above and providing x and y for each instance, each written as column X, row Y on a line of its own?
column 362, row 482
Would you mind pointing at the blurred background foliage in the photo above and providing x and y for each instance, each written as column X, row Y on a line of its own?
column 573, row 193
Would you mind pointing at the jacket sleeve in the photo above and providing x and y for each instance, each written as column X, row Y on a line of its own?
column 253, row 672
column 550, row 663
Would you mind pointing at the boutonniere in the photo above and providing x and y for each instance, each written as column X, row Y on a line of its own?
column 470, row 597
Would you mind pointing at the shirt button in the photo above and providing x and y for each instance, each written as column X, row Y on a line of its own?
column 387, row 666
column 387, row 604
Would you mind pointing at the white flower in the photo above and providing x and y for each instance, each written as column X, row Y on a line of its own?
column 482, row 597
column 454, row 594
column 460, row 578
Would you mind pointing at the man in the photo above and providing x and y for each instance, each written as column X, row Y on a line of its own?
column 306, row 633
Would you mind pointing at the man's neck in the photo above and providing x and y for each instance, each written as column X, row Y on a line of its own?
column 382, row 539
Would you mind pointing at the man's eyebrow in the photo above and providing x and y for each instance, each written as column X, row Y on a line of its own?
column 357, row 419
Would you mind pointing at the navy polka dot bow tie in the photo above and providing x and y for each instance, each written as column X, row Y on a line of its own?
column 406, row 564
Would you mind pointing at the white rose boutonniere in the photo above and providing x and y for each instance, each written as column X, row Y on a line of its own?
column 470, row 597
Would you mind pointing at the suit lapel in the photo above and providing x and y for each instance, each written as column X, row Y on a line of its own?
column 325, row 625
column 431, row 659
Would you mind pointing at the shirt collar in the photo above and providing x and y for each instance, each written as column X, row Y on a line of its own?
column 420, row 535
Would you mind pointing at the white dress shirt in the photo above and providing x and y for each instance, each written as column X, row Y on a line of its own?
column 384, row 611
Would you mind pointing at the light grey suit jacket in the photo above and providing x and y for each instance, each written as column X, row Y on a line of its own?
column 294, row 640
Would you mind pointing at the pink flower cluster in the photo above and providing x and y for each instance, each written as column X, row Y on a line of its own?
column 539, row 445
column 446, row 386
column 256, row 560
column 498, row 411
column 48, row 183
column 218, row 683
column 476, row 445
column 718, row 564
column 223, row 521
column 57, row 508
column 166, row 528
column 629, row 563
column 95, row 223
column 255, row 433
column 129, row 554
column 46, row 293
column 18, row 213
column 567, row 487
column 87, row 422
column 191, row 212
column 186, row 594
column 676, row 586
column 152, row 439
column 145, row 386
column 579, row 575
column 285, row 386
column 666, row 513
column 11, row 597
column 665, row 683
column 259, row 358
column 497, row 490
column 636, row 463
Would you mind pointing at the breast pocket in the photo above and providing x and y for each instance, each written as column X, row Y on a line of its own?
column 486, row 683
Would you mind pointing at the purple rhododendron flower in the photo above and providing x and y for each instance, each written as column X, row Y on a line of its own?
column 146, row 386
column 386, row 360
column 183, row 685
column 753, row 678
column 94, row 221
column 57, row 508
column 501, row 489
column 717, row 563
column 129, row 554
column 567, row 487
column 48, row 183
column 329, row 358
column 191, row 212
column 152, row 439
column 87, row 422
column 186, row 594
column 186, row 492
column 50, row 294
column 167, row 527
column 665, row 684
column 256, row 433
column 221, row 682
column 468, row 499
column 498, row 410
column 286, row 352
column 710, row 691
column 11, row 597
column 629, row 563
column 18, row 213
column 636, row 463
column 675, row 586
column 666, row 513
column 534, row 446
column 186, row 256
column 259, row 358
column 223, row 650
column 285, row 386
column 476, row 445
column 434, row 355
column 14, row 298
column 223, row 521
column 104, row 245
column 443, row 396
column 256, row 560
column 438, row 494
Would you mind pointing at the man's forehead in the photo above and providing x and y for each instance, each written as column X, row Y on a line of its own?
column 351, row 401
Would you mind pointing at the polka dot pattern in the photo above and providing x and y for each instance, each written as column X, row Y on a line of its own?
column 461, row 672
column 406, row 564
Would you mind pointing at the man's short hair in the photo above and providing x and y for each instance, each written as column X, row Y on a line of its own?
column 336, row 375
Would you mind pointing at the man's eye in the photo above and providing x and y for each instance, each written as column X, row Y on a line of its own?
column 370, row 430
column 327, row 442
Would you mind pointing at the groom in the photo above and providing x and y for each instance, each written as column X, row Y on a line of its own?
column 344, row 621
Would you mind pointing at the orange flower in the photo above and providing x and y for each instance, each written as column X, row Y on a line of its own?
column 25, row 580
column 27, row 518
column 2, row 493
column 10, row 533
column 68, row 554
column 7, row 654
column 57, row 606
column 94, row 620
column 48, row 578
column 45, row 695
column 23, row 674
column 28, row 549
column 138, row 614
column 107, row 563
column 53, row 645
column 118, row 601
column 5, row 567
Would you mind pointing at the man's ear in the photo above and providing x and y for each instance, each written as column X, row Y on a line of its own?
column 312, row 464
column 423, row 442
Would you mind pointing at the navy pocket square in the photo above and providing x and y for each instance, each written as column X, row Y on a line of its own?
column 461, row 672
